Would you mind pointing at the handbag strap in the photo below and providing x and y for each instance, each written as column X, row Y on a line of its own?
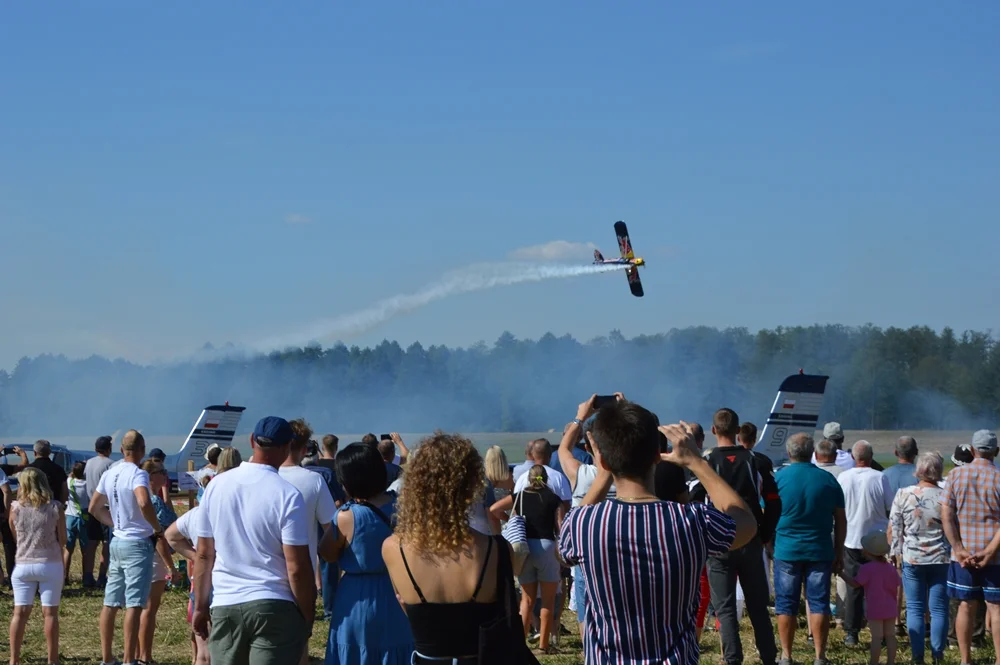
column 374, row 509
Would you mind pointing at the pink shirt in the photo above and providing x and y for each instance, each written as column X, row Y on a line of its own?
column 880, row 580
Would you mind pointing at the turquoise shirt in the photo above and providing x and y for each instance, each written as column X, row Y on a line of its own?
column 809, row 495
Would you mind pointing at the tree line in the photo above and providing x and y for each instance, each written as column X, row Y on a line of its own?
column 891, row 378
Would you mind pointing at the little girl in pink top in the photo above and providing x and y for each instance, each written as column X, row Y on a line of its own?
column 880, row 580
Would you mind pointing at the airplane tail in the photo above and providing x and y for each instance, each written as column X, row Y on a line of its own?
column 598, row 256
column 217, row 424
column 796, row 409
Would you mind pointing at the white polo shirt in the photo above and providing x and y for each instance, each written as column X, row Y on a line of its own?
column 119, row 484
column 320, row 508
column 251, row 512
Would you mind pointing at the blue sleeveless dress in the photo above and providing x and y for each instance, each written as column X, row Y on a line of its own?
column 368, row 626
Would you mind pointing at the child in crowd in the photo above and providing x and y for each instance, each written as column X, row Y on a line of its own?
column 881, row 581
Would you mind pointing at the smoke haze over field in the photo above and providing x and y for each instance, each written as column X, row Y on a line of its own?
column 880, row 379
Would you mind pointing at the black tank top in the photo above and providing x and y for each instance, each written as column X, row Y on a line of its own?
column 450, row 630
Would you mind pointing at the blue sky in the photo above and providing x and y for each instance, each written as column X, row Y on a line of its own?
column 171, row 175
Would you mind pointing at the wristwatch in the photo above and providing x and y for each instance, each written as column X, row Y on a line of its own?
column 578, row 421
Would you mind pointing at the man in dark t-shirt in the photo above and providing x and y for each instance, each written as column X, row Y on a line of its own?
column 53, row 472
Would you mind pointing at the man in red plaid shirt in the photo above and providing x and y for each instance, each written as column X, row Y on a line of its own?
column 970, row 512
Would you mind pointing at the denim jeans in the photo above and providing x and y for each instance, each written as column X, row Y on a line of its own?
column 747, row 564
column 925, row 586
column 329, row 575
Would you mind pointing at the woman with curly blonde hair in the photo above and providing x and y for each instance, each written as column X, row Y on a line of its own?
column 448, row 576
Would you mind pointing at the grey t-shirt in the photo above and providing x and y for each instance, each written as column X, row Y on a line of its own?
column 95, row 468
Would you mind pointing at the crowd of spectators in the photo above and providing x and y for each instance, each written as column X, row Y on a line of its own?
column 634, row 525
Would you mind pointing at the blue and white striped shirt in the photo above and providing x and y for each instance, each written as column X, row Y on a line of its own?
column 641, row 564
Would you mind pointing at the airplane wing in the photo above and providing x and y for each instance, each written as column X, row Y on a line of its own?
column 796, row 409
column 217, row 424
column 625, row 247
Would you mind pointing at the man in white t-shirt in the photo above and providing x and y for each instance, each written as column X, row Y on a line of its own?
column 253, row 535
column 541, row 453
column 320, row 507
column 122, row 501
column 867, row 502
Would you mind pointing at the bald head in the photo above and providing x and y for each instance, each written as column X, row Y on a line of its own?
column 539, row 451
column 862, row 453
column 133, row 445
column 906, row 449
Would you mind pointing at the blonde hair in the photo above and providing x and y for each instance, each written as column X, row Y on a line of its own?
column 538, row 478
column 229, row 458
column 443, row 480
column 33, row 488
column 497, row 467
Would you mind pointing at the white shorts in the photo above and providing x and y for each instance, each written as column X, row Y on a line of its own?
column 160, row 571
column 28, row 578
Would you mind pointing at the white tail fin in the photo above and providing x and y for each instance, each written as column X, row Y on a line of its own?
column 217, row 424
column 796, row 409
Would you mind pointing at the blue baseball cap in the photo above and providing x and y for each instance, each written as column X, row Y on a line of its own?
column 272, row 432
column 156, row 453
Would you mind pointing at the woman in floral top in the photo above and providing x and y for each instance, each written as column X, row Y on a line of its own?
column 917, row 539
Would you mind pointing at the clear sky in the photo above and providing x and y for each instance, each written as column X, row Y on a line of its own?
column 176, row 173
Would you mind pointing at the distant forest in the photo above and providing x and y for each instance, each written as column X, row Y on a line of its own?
column 881, row 379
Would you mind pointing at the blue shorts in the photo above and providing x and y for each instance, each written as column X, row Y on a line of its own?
column 76, row 531
column 130, row 573
column 788, row 578
column 541, row 564
column 974, row 583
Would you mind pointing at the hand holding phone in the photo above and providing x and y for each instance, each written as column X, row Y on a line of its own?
column 386, row 437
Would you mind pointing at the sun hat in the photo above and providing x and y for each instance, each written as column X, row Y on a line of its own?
column 875, row 542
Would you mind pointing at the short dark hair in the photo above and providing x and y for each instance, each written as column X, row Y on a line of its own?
column 726, row 423
column 78, row 469
column 628, row 438
column 330, row 442
column 748, row 434
column 361, row 471
column 213, row 455
column 369, row 440
column 103, row 444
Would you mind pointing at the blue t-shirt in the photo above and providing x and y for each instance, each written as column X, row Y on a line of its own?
column 809, row 495
column 900, row 476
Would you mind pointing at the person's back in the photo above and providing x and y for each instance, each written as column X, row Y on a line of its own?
column 900, row 475
column 36, row 529
column 867, row 502
column 973, row 492
column 251, row 512
column 677, row 539
column 78, row 497
column 319, row 506
column 809, row 497
column 880, row 580
column 94, row 469
column 539, row 509
column 54, row 474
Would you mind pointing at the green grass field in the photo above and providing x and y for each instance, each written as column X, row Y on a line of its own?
column 80, row 642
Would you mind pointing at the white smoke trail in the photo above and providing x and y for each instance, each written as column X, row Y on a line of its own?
column 477, row 277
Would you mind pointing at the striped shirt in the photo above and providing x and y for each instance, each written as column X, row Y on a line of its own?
column 973, row 494
column 641, row 564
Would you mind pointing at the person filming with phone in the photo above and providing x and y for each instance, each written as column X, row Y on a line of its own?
column 641, row 557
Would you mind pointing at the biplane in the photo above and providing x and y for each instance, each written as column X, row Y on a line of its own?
column 628, row 259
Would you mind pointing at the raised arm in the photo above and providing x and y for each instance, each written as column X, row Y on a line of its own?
column 723, row 497
column 404, row 452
